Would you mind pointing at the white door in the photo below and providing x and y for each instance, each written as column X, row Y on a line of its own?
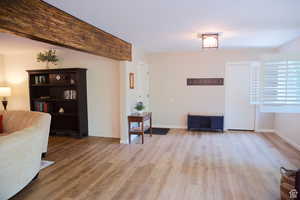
column 239, row 114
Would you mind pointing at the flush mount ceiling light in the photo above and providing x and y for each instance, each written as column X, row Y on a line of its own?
column 209, row 40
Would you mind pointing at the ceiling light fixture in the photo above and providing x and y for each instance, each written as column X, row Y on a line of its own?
column 209, row 40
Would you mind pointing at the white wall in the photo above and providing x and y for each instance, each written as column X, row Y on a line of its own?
column 102, row 86
column 103, row 91
column 264, row 122
column 291, row 47
column 171, row 100
column 15, row 66
column 129, row 97
column 286, row 124
column 2, row 75
column 109, row 98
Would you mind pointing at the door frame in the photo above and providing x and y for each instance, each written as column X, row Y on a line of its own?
column 227, row 65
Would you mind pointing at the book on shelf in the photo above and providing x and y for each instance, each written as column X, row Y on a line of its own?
column 41, row 106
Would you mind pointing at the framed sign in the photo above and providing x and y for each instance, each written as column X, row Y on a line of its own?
column 131, row 81
column 205, row 81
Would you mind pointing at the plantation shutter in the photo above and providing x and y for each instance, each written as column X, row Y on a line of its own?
column 281, row 83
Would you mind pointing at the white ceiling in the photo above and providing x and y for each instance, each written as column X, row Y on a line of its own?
column 172, row 25
column 168, row 25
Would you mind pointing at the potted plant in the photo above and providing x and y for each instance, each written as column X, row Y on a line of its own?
column 48, row 57
column 139, row 107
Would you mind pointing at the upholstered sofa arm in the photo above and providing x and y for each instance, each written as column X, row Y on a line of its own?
column 44, row 128
column 20, row 158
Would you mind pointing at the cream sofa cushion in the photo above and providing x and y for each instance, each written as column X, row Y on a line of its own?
column 17, row 120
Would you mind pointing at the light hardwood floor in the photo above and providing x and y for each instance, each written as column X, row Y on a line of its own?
column 181, row 166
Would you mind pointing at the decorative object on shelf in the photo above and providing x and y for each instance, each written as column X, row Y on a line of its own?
column 209, row 40
column 205, row 81
column 58, row 78
column 131, row 80
column 72, row 81
column 66, row 94
column 48, row 57
column 40, row 79
column 61, row 111
column 5, row 92
column 139, row 107
column 70, row 94
column 73, row 94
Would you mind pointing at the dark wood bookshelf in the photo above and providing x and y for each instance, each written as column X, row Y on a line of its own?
column 53, row 89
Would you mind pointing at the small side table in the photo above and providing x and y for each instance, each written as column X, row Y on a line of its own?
column 140, row 119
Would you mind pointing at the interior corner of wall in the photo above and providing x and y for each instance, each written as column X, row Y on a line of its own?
column 138, row 54
column 123, row 142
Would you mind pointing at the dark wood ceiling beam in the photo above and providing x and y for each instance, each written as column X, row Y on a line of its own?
column 38, row 20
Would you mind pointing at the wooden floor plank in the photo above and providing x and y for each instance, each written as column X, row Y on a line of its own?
column 182, row 165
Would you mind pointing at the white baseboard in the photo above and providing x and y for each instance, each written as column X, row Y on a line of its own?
column 265, row 130
column 297, row 146
column 123, row 142
column 126, row 141
column 169, row 126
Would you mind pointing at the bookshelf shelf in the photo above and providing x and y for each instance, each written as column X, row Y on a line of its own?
column 54, row 100
column 63, row 94
column 52, row 85
column 65, row 114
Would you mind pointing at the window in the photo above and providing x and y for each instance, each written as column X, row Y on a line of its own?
column 281, row 83
column 280, row 86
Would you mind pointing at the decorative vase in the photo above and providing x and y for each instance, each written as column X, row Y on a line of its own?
column 51, row 65
column 140, row 112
